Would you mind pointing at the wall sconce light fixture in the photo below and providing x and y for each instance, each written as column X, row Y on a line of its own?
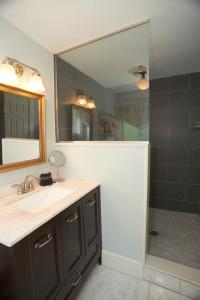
column 35, row 83
column 8, row 74
column 143, row 83
column 11, row 70
column 81, row 98
column 91, row 103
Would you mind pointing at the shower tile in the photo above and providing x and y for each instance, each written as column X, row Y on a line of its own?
column 187, row 174
column 169, row 190
column 193, row 174
column 159, row 137
column 158, row 202
column 178, row 137
column 178, row 119
column 161, row 279
column 159, row 101
column 162, row 155
column 194, row 156
column 194, row 117
column 184, row 99
column 158, row 172
column 169, row 119
column 194, row 138
column 193, row 193
column 173, row 83
column 159, row 119
column 190, row 290
column 177, row 173
column 195, row 80
column 183, row 206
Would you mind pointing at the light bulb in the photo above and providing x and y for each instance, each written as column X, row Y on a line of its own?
column 143, row 84
column 82, row 100
column 8, row 74
column 91, row 103
column 36, row 83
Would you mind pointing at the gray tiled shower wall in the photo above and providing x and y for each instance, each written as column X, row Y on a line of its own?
column 175, row 143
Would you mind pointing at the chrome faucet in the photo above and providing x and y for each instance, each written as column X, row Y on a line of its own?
column 27, row 185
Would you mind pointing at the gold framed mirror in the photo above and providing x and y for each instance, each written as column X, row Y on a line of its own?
column 22, row 128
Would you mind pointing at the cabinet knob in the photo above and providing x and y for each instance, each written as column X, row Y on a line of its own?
column 72, row 218
column 42, row 244
column 91, row 202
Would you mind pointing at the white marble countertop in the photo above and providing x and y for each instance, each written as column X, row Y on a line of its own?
column 16, row 224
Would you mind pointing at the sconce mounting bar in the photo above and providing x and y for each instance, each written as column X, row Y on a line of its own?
column 19, row 64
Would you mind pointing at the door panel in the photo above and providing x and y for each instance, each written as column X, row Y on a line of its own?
column 91, row 218
column 43, row 274
column 72, row 238
column 16, row 117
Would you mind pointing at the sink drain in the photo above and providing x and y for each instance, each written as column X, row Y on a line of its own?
column 153, row 232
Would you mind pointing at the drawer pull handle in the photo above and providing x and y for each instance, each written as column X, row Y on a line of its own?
column 49, row 239
column 91, row 203
column 72, row 218
column 74, row 283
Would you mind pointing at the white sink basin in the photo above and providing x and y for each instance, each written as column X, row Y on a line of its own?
column 41, row 199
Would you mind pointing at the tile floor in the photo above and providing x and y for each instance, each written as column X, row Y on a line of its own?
column 107, row 284
column 178, row 236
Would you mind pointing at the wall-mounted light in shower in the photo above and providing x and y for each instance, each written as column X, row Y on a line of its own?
column 143, row 83
column 11, row 70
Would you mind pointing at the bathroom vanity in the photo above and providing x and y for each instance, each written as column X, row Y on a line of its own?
column 53, row 259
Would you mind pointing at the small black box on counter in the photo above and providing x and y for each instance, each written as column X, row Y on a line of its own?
column 46, row 179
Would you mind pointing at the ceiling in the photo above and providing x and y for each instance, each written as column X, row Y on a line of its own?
column 57, row 25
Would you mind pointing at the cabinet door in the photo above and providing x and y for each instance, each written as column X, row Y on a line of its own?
column 72, row 238
column 42, row 263
column 91, row 207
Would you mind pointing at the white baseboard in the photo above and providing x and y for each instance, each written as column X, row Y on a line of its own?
column 122, row 264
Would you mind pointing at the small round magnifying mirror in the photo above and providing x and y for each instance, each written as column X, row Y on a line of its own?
column 57, row 159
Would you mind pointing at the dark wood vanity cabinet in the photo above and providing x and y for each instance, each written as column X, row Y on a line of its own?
column 72, row 238
column 52, row 262
column 41, row 254
column 91, row 207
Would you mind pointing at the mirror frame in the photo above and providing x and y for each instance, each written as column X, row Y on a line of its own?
column 41, row 105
